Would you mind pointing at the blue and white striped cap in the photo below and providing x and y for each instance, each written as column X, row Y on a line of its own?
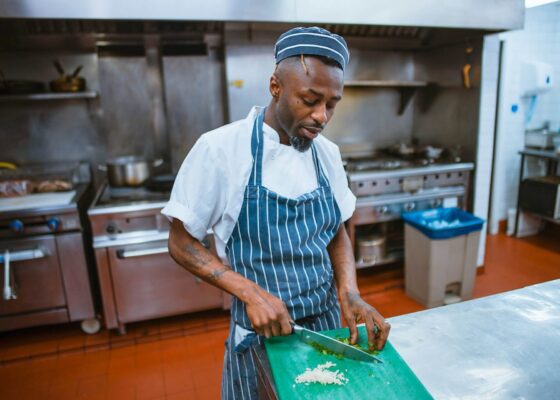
column 313, row 41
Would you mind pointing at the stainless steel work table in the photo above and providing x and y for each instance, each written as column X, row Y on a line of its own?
column 505, row 346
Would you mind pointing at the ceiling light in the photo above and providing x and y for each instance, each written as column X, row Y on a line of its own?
column 536, row 3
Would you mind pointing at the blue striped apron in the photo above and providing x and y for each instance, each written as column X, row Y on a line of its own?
column 281, row 244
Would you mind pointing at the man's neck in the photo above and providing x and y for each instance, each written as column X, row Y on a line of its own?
column 270, row 120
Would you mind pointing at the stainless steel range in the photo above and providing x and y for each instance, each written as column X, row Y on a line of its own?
column 44, row 247
column 138, row 278
column 387, row 187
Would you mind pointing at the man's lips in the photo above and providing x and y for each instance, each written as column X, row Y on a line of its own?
column 310, row 132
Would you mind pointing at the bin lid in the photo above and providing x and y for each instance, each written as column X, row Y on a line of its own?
column 443, row 223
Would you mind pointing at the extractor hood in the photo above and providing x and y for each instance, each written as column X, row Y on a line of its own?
column 491, row 15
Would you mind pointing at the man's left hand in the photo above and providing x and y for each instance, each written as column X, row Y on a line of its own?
column 355, row 310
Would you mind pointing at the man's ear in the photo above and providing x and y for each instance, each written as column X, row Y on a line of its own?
column 275, row 87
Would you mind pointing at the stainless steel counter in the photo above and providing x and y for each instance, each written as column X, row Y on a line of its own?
column 504, row 346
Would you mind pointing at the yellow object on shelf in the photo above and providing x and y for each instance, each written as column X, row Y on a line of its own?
column 7, row 165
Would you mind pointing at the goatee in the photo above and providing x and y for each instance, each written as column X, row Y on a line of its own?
column 300, row 144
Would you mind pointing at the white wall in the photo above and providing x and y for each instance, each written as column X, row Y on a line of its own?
column 485, row 143
column 538, row 41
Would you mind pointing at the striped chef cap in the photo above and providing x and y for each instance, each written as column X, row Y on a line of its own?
column 313, row 41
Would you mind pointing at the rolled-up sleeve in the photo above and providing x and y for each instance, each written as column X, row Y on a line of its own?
column 339, row 183
column 344, row 196
column 198, row 198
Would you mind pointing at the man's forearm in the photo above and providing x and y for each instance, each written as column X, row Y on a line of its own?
column 197, row 259
column 342, row 258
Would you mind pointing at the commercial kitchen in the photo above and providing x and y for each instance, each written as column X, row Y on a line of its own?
column 449, row 139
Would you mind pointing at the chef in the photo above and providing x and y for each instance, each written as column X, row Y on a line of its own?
column 274, row 193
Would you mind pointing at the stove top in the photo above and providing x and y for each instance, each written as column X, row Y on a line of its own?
column 376, row 164
column 112, row 196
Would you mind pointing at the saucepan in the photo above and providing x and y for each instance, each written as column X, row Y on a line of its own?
column 129, row 170
column 371, row 249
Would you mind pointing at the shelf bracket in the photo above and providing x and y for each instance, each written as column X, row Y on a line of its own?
column 406, row 94
column 427, row 97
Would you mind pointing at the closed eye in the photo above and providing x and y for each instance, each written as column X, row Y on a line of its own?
column 309, row 103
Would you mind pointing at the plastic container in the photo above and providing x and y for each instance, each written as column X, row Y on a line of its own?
column 441, row 248
column 511, row 215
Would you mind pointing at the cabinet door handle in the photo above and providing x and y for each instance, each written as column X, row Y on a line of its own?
column 24, row 255
column 142, row 252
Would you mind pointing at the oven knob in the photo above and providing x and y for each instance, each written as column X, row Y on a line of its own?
column 16, row 225
column 383, row 210
column 53, row 224
column 436, row 203
column 409, row 206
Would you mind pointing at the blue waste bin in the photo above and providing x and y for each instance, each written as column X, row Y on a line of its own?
column 443, row 223
column 441, row 249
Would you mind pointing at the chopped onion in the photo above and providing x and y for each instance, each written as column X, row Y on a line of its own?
column 321, row 374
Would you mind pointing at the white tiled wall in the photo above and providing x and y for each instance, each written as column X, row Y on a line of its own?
column 538, row 41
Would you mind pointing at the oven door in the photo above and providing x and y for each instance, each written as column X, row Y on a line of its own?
column 148, row 283
column 35, row 277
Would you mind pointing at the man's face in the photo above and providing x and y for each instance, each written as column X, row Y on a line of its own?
column 306, row 100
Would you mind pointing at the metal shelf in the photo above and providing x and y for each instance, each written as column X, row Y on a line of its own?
column 49, row 96
column 385, row 83
column 406, row 89
column 537, row 215
column 392, row 256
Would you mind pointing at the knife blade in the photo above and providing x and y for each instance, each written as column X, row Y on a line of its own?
column 317, row 339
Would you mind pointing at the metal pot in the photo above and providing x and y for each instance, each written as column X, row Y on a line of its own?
column 130, row 170
column 371, row 249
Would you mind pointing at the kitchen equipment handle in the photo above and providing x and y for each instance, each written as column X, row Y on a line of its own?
column 23, row 255
column 58, row 67
column 142, row 252
column 77, row 71
column 8, row 292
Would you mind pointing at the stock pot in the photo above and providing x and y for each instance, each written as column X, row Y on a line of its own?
column 130, row 170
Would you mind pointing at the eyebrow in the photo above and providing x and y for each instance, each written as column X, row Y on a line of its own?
column 318, row 94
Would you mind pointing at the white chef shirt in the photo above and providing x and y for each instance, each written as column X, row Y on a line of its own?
column 208, row 191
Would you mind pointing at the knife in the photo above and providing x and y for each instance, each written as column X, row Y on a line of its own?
column 319, row 340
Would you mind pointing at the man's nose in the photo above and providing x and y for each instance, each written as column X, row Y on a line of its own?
column 320, row 115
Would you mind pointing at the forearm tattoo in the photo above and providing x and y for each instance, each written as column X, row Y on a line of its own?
column 217, row 274
column 196, row 257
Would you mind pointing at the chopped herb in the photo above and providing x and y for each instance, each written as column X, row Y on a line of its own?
column 346, row 340
column 324, row 350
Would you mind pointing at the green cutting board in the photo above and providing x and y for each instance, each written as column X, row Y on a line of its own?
column 392, row 379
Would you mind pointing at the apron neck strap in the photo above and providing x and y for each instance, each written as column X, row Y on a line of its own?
column 257, row 149
column 321, row 178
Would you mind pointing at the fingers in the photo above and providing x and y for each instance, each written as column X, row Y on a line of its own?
column 285, row 324
column 383, row 334
column 353, row 330
column 267, row 332
column 371, row 331
column 275, row 328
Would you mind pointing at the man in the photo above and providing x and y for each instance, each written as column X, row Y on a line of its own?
column 275, row 194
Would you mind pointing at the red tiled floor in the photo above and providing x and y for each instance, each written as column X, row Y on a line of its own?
column 180, row 358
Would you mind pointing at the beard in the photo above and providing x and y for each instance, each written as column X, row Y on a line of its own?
column 300, row 144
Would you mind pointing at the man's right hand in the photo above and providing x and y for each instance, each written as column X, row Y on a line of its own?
column 268, row 314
